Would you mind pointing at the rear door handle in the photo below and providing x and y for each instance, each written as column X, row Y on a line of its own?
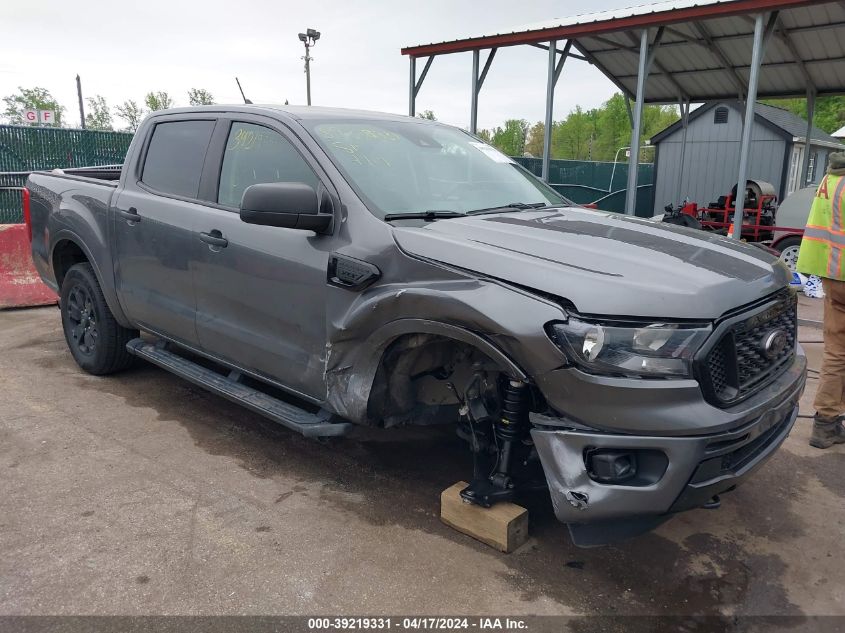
column 130, row 214
column 214, row 238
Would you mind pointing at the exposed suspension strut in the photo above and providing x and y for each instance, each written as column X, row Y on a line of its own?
column 495, row 481
column 509, row 429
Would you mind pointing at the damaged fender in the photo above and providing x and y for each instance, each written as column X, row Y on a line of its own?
column 459, row 309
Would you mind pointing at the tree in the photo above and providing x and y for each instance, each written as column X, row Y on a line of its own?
column 158, row 101
column 31, row 99
column 572, row 138
column 427, row 114
column 199, row 96
column 613, row 128
column 132, row 113
column 536, row 139
column 594, row 135
column 484, row 135
column 658, row 118
column 510, row 139
column 98, row 116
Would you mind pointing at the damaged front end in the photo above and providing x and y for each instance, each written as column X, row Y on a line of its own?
column 625, row 420
column 608, row 487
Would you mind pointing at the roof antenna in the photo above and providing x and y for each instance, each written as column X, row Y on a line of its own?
column 246, row 101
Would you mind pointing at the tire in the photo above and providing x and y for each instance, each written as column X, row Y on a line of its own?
column 789, row 247
column 96, row 341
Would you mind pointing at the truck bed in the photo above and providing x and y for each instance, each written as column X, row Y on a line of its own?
column 105, row 175
column 72, row 203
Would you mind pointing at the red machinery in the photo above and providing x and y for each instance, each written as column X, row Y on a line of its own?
column 759, row 213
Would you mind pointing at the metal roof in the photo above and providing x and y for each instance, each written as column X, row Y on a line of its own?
column 705, row 50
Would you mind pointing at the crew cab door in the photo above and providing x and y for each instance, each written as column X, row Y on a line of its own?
column 154, row 220
column 261, row 290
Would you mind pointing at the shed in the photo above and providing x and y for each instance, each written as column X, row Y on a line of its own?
column 778, row 143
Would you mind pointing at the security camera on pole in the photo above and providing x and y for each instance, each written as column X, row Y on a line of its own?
column 309, row 38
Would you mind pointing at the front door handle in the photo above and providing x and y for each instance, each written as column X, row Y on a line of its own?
column 214, row 238
column 130, row 214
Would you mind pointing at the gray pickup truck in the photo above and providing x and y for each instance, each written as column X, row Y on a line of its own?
column 335, row 269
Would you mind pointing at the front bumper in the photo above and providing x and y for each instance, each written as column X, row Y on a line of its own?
column 697, row 467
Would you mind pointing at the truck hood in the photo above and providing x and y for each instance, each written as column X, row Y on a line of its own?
column 605, row 264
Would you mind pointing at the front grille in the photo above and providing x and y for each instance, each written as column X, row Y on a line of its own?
column 717, row 366
column 739, row 364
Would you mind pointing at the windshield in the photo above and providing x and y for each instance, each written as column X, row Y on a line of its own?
column 408, row 167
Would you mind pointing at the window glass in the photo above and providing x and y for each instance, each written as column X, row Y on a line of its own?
column 412, row 167
column 176, row 155
column 257, row 154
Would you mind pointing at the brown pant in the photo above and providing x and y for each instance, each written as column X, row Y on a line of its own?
column 829, row 397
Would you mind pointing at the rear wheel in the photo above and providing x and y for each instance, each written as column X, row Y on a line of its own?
column 96, row 341
column 789, row 248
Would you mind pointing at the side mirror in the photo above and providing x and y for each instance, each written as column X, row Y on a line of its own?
column 290, row 205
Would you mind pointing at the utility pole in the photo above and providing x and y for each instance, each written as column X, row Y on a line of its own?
column 309, row 39
column 81, row 109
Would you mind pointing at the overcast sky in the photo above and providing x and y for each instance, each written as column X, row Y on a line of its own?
column 123, row 50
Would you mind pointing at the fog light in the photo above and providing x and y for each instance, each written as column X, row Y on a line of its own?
column 611, row 466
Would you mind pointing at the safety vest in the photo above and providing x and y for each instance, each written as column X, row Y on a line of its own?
column 824, row 237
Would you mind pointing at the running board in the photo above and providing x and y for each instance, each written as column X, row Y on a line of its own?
column 286, row 414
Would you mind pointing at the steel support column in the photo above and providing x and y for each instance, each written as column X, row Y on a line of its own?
column 412, row 87
column 634, row 160
column 685, row 107
column 748, row 124
column 477, row 83
column 550, row 100
column 555, row 68
column 416, row 84
column 805, row 165
column 473, row 108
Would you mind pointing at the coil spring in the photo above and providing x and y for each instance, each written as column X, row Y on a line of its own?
column 514, row 410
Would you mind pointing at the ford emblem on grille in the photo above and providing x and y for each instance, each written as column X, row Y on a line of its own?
column 774, row 343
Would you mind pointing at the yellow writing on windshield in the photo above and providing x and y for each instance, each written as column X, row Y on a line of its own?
column 361, row 144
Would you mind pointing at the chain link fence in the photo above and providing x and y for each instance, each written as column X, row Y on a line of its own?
column 25, row 149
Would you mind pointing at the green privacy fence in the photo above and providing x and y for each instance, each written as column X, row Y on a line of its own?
column 24, row 149
column 585, row 181
column 32, row 148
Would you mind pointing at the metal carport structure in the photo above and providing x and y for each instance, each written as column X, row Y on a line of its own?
column 682, row 52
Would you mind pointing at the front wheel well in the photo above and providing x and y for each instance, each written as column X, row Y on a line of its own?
column 66, row 253
column 422, row 379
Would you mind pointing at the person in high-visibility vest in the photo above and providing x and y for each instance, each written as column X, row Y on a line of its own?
column 822, row 254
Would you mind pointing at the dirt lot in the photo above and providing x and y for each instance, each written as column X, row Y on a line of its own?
column 141, row 494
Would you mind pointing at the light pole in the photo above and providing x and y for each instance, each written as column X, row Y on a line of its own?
column 616, row 160
column 309, row 38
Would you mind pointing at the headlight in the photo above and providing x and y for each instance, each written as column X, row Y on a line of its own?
column 630, row 349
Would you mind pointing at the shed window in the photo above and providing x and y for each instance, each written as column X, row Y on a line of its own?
column 720, row 116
